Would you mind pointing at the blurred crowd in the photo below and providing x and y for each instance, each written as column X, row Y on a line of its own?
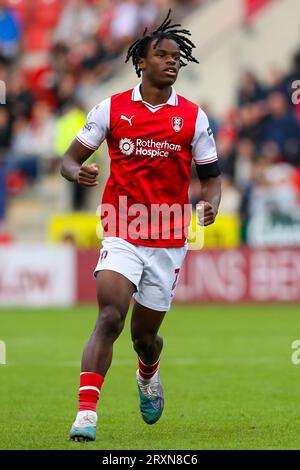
column 258, row 143
column 53, row 53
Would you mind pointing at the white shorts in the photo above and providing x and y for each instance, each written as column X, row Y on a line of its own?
column 154, row 271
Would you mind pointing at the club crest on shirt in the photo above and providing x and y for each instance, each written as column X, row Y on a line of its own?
column 177, row 123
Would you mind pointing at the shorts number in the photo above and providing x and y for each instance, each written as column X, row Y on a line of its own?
column 103, row 255
column 175, row 281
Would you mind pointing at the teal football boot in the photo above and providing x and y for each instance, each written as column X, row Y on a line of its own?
column 151, row 398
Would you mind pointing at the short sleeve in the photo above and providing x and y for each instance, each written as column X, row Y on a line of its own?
column 203, row 144
column 94, row 132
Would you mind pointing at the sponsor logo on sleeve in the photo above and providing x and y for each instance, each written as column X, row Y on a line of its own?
column 86, row 128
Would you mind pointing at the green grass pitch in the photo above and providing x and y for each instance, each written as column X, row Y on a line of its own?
column 227, row 372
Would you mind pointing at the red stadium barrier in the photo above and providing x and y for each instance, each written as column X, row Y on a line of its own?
column 86, row 287
column 241, row 275
column 31, row 276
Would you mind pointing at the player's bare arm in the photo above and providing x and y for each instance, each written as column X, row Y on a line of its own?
column 208, row 206
column 72, row 167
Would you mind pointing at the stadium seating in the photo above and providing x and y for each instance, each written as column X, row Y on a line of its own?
column 20, row 7
column 36, row 39
column 38, row 19
column 47, row 13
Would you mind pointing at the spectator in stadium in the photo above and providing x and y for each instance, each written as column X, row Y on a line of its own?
column 22, row 135
column 59, row 60
column 106, row 15
column 10, row 32
column 94, row 57
column 276, row 81
column 4, row 68
column 226, row 141
column 32, row 144
column 250, row 89
column 245, row 156
column 252, row 116
column 5, row 130
column 65, row 90
column 270, row 152
column 282, row 128
column 72, row 118
column 124, row 26
column 21, row 157
column 86, row 85
column 42, row 130
column 148, row 14
column 92, row 53
column 273, row 194
column 231, row 197
column 19, row 98
column 3, row 195
column 77, row 21
column 282, row 192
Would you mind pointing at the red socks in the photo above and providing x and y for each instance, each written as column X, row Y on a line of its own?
column 146, row 372
column 91, row 383
column 89, row 390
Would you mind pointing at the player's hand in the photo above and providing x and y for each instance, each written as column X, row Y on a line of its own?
column 87, row 175
column 206, row 213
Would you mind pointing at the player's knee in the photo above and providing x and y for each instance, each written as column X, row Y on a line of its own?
column 143, row 342
column 110, row 322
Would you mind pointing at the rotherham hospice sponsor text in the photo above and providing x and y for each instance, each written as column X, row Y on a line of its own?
column 149, row 147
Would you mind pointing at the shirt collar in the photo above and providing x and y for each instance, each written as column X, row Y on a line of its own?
column 172, row 101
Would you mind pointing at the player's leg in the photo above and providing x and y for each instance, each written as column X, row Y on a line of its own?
column 153, row 299
column 114, row 292
column 148, row 344
column 145, row 324
column 118, row 273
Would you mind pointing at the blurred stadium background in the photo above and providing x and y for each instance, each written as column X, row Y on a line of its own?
column 57, row 60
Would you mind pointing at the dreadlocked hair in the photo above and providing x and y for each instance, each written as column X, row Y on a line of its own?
column 165, row 31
